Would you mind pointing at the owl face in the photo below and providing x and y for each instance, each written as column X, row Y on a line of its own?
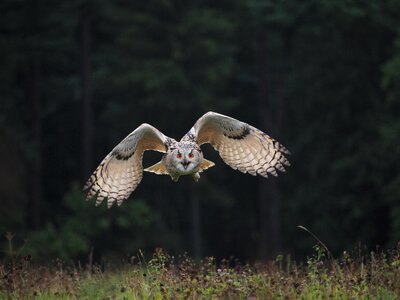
column 186, row 160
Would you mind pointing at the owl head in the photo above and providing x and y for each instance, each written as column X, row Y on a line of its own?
column 186, row 159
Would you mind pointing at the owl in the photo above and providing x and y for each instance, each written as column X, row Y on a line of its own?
column 240, row 145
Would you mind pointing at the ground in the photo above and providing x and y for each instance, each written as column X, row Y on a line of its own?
column 372, row 276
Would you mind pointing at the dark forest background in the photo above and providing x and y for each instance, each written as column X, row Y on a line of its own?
column 322, row 77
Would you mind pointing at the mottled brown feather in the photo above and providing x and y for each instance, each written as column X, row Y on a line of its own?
column 240, row 145
column 121, row 170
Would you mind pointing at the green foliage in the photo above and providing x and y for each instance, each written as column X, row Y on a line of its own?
column 83, row 226
column 374, row 276
column 332, row 83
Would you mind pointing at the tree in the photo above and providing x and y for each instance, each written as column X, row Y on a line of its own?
column 87, row 110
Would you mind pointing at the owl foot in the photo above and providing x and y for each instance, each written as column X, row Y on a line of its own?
column 196, row 176
column 175, row 178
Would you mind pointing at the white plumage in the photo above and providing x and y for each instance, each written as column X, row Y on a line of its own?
column 240, row 145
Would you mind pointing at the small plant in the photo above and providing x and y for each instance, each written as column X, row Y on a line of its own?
column 376, row 275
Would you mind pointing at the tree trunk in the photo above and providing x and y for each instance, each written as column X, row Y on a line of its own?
column 270, row 241
column 35, row 99
column 87, row 113
column 196, row 218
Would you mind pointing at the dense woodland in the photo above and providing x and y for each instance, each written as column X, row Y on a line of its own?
column 322, row 77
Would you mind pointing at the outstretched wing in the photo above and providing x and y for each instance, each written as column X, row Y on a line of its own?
column 121, row 170
column 241, row 146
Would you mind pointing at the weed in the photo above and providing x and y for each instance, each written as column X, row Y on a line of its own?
column 376, row 275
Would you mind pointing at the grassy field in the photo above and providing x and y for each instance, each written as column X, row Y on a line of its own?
column 375, row 276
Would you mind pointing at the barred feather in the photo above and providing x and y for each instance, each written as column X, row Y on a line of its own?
column 241, row 146
column 121, row 170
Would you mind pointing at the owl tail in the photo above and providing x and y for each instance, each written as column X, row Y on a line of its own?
column 159, row 168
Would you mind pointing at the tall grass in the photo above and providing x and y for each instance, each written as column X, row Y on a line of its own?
column 372, row 276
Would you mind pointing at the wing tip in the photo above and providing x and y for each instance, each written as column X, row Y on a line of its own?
column 284, row 150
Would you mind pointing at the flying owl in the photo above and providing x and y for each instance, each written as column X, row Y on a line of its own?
column 241, row 146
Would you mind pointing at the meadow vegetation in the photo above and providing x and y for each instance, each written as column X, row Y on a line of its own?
column 356, row 276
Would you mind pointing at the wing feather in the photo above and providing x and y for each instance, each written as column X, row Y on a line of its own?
column 121, row 170
column 241, row 146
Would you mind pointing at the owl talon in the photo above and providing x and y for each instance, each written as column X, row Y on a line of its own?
column 175, row 178
column 196, row 176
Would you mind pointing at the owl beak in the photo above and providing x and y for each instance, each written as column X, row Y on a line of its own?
column 185, row 163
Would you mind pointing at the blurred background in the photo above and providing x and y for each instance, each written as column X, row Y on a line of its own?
column 322, row 77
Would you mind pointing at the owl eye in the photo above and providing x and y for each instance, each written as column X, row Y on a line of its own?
column 179, row 155
column 190, row 155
